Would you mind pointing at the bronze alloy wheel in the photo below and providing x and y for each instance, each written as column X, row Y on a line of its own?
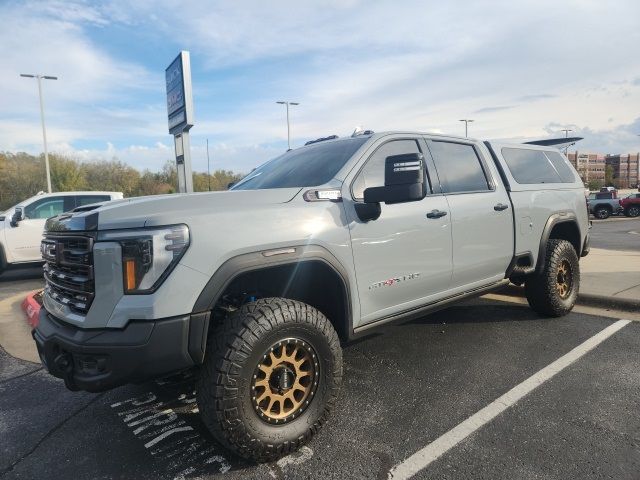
column 285, row 381
column 563, row 281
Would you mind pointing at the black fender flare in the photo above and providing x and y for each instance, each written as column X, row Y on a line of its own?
column 552, row 221
column 272, row 257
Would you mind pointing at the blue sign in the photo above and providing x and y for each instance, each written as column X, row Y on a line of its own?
column 179, row 99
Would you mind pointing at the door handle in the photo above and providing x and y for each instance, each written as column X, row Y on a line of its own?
column 436, row 214
column 499, row 207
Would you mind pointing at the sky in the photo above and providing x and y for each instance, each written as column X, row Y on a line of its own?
column 522, row 70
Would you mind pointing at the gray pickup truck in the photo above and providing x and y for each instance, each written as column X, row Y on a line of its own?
column 603, row 204
column 255, row 288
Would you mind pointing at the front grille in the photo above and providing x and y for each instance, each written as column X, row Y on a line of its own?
column 68, row 270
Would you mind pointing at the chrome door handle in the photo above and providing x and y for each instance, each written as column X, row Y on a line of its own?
column 436, row 214
column 499, row 207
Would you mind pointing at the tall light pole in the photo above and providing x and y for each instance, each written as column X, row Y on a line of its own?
column 466, row 121
column 286, row 103
column 44, row 130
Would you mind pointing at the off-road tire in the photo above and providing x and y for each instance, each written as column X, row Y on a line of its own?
column 235, row 348
column 632, row 211
column 602, row 213
column 541, row 288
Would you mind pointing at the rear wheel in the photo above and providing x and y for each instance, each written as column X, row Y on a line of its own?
column 632, row 211
column 270, row 378
column 554, row 291
column 602, row 212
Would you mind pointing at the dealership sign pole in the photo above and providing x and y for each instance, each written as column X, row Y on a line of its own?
column 180, row 113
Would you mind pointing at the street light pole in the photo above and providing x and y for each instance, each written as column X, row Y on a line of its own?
column 566, row 135
column 287, row 103
column 44, row 130
column 466, row 121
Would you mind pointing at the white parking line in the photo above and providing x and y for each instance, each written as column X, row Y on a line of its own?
column 422, row 458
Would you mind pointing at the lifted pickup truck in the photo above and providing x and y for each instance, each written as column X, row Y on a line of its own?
column 603, row 204
column 255, row 288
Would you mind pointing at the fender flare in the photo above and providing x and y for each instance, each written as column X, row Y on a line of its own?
column 552, row 221
column 272, row 257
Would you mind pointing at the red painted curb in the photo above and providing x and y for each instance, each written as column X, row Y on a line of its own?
column 31, row 307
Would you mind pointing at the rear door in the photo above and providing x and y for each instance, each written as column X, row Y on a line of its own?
column 481, row 217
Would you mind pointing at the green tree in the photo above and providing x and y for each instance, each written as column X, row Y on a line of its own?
column 594, row 185
column 608, row 175
column 23, row 175
column 66, row 174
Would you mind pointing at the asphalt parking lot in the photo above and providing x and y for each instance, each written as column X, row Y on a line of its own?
column 616, row 233
column 405, row 390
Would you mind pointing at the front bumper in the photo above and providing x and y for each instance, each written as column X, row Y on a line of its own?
column 100, row 359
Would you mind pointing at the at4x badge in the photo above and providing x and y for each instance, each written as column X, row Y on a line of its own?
column 394, row 281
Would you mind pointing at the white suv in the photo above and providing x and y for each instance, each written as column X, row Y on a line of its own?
column 22, row 225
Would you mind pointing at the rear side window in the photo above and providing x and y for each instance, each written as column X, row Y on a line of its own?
column 530, row 166
column 562, row 166
column 459, row 168
column 82, row 200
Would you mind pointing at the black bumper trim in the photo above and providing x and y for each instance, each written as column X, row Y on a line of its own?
column 101, row 359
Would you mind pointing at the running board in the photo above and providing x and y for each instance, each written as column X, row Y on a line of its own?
column 429, row 307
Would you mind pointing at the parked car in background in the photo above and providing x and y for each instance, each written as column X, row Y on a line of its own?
column 22, row 225
column 603, row 204
column 631, row 205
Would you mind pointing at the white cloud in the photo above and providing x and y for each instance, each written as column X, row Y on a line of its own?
column 520, row 69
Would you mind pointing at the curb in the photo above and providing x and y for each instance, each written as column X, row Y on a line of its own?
column 31, row 307
column 625, row 304
column 587, row 299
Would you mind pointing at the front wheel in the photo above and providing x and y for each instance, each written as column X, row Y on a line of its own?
column 554, row 291
column 270, row 378
column 602, row 213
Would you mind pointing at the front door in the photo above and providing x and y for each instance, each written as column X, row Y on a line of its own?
column 23, row 240
column 402, row 259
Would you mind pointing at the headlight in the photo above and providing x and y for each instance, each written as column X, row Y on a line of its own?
column 148, row 255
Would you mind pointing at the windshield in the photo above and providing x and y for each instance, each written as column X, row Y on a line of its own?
column 308, row 166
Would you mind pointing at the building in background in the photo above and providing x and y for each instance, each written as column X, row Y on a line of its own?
column 625, row 169
column 590, row 166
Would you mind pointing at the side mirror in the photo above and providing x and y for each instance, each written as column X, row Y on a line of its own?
column 229, row 185
column 17, row 217
column 403, row 180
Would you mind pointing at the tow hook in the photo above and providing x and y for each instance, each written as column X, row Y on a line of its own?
column 64, row 363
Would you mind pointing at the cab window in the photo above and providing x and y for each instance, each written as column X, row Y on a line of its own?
column 44, row 208
column 459, row 168
column 372, row 175
column 82, row 200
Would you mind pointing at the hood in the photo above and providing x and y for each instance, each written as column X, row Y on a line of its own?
column 167, row 209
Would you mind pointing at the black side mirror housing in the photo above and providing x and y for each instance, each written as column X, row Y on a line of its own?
column 17, row 217
column 368, row 211
column 403, row 180
column 231, row 184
